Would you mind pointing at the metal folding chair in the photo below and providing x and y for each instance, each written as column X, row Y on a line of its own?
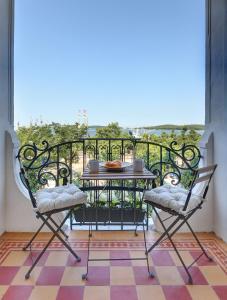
column 46, row 216
column 181, row 204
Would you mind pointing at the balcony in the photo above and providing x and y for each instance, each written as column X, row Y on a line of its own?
column 58, row 276
column 112, row 202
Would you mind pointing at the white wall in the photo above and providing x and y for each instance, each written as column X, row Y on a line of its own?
column 6, row 96
column 216, row 106
column 19, row 212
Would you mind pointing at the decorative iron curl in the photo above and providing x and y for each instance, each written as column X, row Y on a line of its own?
column 174, row 181
column 157, row 169
column 30, row 154
column 188, row 154
column 102, row 147
column 118, row 149
column 43, row 180
column 88, row 148
column 63, row 172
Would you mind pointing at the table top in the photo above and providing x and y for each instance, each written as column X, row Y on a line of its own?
column 127, row 173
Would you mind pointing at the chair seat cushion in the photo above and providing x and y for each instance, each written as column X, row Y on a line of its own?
column 172, row 197
column 59, row 197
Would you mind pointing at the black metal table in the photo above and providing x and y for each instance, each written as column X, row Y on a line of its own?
column 127, row 174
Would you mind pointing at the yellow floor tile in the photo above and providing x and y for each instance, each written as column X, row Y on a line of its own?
column 97, row 293
column 214, row 275
column 140, row 254
column 57, row 258
column 72, row 276
column 99, row 255
column 145, row 292
column 169, row 276
column 121, row 276
column 19, row 279
column 15, row 258
column 187, row 258
column 3, row 289
column 199, row 292
column 44, row 293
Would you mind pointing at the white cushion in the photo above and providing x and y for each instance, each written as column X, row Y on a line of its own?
column 172, row 197
column 59, row 197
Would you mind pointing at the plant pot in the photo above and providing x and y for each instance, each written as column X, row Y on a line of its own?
column 101, row 214
column 126, row 215
column 92, row 214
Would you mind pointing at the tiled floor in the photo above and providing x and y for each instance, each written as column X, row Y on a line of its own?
column 58, row 276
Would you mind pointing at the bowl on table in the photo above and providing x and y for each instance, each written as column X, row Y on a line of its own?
column 115, row 165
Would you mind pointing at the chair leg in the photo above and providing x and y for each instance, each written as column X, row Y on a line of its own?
column 55, row 233
column 27, row 275
column 196, row 238
column 71, row 222
column 37, row 232
column 85, row 276
column 62, row 231
column 34, row 236
column 169, row 228
column 150, row 274
column 171, row 241
column 61, row 239
column 163, row 234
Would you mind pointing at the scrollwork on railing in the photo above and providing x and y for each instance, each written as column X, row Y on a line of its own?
column 163, row 170
column 175, row 164
column 189, row 155
column 88, row 149
column 56, row 164
column 33, row 157
column 53, row 171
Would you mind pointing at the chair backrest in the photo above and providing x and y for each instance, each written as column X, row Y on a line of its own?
column 25, row 181
column 205, row 175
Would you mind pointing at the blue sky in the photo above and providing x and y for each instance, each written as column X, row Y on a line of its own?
column 138, row 62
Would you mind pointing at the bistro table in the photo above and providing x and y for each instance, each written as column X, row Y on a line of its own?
column 106, row 175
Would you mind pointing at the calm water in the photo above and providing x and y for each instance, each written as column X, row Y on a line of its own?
column 141, row 131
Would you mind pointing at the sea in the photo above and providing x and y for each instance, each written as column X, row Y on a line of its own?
column 139, row 132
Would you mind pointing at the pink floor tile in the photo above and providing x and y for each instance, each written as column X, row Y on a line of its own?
column 197, row 276
column 123, row 293
column 142, row 278
column 203, row 261
column 120, row 254
column 7, row 274
column 32, row 257
column 18, row 293
column 50, row 276
column 98, row 276
column 161, row 258
column 71, row 261
column 70, row 292
column 176, row 292
column 221, row 291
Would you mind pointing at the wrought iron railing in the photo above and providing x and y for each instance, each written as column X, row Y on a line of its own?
column 51, row 165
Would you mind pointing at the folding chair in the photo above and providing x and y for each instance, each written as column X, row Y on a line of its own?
column 182, row 204
column 50, row 201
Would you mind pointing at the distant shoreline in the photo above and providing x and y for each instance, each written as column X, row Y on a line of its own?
column 162, row 127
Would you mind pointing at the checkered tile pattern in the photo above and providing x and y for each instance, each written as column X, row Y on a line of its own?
column 58, row 275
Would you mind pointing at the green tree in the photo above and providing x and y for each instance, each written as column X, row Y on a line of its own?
column 112, row 130
column 54, row 134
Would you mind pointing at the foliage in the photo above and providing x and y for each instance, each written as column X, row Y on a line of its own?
column 112, row 130
column 54, row 133
column 190, row 137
